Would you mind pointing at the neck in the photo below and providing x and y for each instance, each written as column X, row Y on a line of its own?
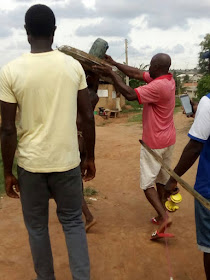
column 161, row 74
column 41, row 45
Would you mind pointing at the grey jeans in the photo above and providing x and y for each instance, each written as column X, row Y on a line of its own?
column 66, row 189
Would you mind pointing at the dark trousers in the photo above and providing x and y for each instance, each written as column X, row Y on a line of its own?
column 66, row 188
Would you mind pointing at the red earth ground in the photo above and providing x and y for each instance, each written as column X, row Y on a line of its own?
column 119, row 244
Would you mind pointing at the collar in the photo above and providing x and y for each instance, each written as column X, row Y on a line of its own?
column 168, row 76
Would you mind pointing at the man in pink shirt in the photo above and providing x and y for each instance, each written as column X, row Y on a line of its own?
column 158, row 97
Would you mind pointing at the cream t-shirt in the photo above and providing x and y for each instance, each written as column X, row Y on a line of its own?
column 45, row 87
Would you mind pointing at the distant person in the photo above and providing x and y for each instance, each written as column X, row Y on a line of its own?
column 199, row 145
column 158, row 97
column 48, row 87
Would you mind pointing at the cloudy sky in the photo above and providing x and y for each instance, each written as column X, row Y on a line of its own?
column 175, row 27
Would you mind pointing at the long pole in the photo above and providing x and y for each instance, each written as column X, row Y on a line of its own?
column 126, row 60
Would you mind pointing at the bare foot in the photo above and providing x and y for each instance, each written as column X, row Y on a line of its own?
column 89, row 224
column 164, row 223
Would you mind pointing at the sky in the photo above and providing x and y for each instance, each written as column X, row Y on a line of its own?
column 173, row 27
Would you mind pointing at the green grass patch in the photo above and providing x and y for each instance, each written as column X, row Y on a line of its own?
column 135, row 106
column 89, row 191
column 135, row 118
column 178, row 102
column 177, row 109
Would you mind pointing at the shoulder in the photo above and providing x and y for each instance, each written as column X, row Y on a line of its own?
column 205, row 102
column 70, row 59
column 203, row 110
column 147, row 78
column 6, row 70
column 200, row 127
column 14, row 65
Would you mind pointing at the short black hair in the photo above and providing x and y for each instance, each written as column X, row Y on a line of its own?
column 40, row 21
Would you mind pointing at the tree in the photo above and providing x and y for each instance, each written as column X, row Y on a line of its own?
column 186, row 78
column 203, row 86
column 204, row 63
column 136, row 83
column 179, row 88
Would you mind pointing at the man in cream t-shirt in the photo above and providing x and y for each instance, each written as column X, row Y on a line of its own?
column 48, row 88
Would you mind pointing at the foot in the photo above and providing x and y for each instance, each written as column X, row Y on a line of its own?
column 156, row 235
column 164, row 223
column 155, row 220
column 89, row 224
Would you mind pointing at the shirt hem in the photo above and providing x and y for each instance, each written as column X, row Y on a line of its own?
column 82, row 87
column 49, row 170
column 7, row 100
column 161, row 146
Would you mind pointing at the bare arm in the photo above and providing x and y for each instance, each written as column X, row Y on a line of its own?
column 93, row 82
column 190, row 154
column 8, row 145
column 88, row 130
column 131, row 72
column 120, row 86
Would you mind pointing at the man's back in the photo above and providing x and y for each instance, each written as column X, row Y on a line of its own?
column 45, row 86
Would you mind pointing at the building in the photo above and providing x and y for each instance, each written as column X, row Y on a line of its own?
column 190, row 89
column 190, row 86
column 108, row 97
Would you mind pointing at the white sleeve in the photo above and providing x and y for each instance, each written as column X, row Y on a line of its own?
column 200, row 130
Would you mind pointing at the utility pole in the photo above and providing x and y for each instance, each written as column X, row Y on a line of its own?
column 126, row 60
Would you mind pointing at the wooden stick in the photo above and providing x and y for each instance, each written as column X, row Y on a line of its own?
column 87, row 60
column 184, row 184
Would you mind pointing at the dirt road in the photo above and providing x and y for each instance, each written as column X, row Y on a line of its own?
column 119, row 244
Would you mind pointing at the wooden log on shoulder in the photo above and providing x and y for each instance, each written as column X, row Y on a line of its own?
column 87, row 60
column 184, row 184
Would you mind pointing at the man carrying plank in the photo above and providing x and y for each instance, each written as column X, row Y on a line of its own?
column 199, row 145
column 92, row 82
column 158, row 97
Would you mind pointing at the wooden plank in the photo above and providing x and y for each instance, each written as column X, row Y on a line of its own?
column 87, row 60
column 184, row 184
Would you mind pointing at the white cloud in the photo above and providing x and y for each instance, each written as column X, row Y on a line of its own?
column 175, row 27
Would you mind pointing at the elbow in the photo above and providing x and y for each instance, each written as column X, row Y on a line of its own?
column 194, row 147
column 8, row 130
column 89, row 120
column 197, row 152
column 132, row 97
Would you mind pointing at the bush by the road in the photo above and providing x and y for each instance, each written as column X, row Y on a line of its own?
column 203, row 87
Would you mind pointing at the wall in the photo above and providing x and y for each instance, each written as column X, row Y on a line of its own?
column 108, row 102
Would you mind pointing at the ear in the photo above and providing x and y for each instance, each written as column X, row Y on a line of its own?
column 156, row 66
column 54, row 31
column 26, row 29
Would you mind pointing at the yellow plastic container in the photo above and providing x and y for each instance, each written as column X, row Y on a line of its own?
column 176, row 198
column 171, row 206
